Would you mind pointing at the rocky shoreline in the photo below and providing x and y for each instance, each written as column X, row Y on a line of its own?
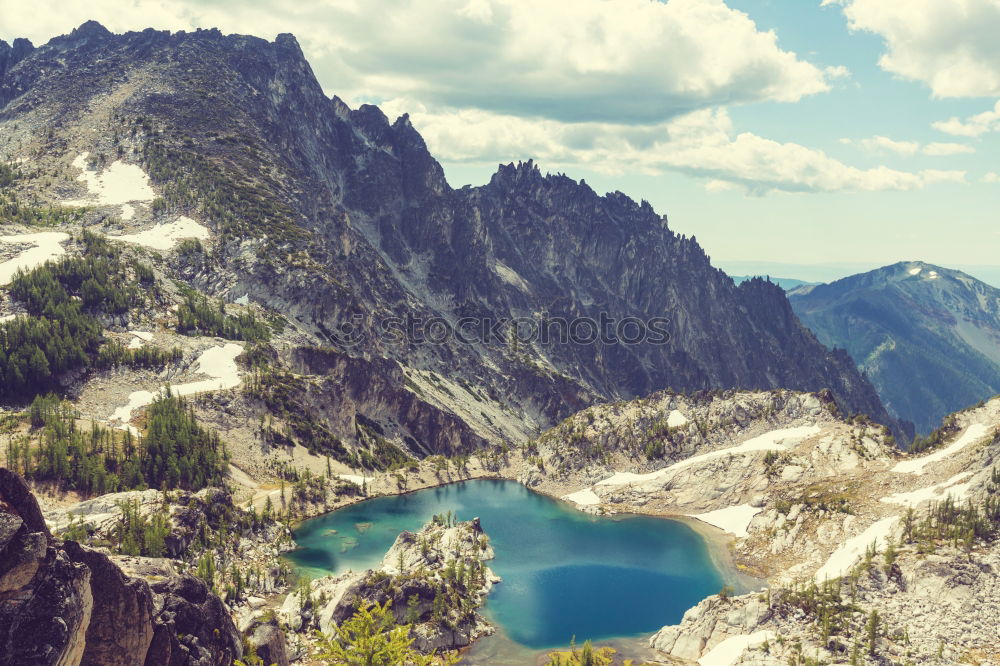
column 791, row 492
column 434, row 579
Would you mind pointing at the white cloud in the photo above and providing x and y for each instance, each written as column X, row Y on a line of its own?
column 883, row 144
column 980, row 123
column 624, row 86
column 950, row 45
column 627, row 61
column 702, row 144
column 990, row 177
column 939, row 149
column 837, row 72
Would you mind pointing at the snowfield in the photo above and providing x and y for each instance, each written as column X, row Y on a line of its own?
column 166, row 236
column 47, row 245
column 585, row 497
column 776, row 440
column 140, row 338
column 953, row 486
column 219, row 363
column 851, row 551
column 733, row 519
column 353, row 478
column 973, row 433
column 117, row 185
column 676, row 419
column 730, row 650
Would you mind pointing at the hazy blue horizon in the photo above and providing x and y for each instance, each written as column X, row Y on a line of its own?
column 834, row 271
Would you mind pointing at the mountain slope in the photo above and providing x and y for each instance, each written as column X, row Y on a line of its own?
column 928, row 337
column 344, row 223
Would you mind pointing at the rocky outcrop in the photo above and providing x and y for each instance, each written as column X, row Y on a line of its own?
column 64, row 604
column 10, row 55
column 931, row 609
column 268, row 641
column 421, row 576
column 873, row 557
column 376, row 389
column 122, row 622
column 193, row 626
column 192, row 518
column 711, row 622
column 46, row 600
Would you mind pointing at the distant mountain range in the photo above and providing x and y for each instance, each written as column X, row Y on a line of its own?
column 785, row 283
column 928, row 337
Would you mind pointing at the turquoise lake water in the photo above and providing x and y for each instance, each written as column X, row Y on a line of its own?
column 565, row 573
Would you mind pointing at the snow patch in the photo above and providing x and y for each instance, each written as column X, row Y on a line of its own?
column 914, row 271
column 953, row 485
column 676, row 419
column 46, row 245
column 733, row 519
column 128, row 212
column 730, row 650
column 776, row 440
column 139, row 339
column 219, row 363
column 119, row 184
column 166, row 236
column 585, row 497
column 353, row 478
column 847, row 555
column 510, row 276
column 974, row 432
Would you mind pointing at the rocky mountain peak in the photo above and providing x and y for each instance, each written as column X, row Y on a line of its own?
column 10, row 55
column 287, row 42
column 377, row 230
column 89, row 30
column 520, row 174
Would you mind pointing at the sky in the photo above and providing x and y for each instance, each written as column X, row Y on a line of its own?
column 798, row 138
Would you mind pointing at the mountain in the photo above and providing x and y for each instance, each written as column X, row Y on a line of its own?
column 785, row 283
column 927, row 337
column 342, row 224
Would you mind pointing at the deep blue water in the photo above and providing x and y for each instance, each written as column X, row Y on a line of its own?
column 565, row 573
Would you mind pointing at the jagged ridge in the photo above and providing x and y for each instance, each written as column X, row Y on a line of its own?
column 335, row 216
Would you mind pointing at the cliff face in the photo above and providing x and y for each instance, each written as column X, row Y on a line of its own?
column 341, row 220
column 61, row 603
column 928, row 337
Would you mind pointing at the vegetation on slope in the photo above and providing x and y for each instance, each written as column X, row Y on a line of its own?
column 197, row 315
column 237, row 208
column 371, row 637
column 175, row 453
column 13, row 210
column 63, row 331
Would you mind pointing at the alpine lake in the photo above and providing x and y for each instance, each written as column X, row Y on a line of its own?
column 566, row 574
